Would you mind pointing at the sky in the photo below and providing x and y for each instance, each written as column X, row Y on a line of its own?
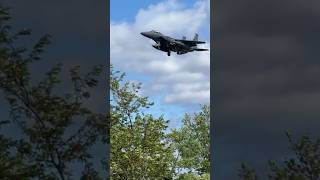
column 176, row 84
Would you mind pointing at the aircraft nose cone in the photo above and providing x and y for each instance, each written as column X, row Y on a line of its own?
column 144, row 34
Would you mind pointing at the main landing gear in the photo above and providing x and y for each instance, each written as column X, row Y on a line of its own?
column 168, row 53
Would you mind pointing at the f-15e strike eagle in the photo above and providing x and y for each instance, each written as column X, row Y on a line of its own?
column 168, row 44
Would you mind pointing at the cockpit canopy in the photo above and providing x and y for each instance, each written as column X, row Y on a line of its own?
column 157, row 32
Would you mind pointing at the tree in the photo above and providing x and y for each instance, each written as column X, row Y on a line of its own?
column 13, row 166
column 193, row 176
column 59, row 130
column 304, row 166
column 192, row 142
column 139, row 147
column 247, row 173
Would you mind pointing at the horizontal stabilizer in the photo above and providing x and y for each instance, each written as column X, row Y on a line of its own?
column 191, row 41
column 201, row 49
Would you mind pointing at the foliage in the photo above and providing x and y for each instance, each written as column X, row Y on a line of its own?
column 247, row 173
column 192, row 142
column 12, row 166
column 304, row 166
column 192, row 176
column 59, row 130
column 139, row 148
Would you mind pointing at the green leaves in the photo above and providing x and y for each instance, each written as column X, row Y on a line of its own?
column 139, row 148
column 304, row 165
column 247, row 173
column 192, row 142
column 39, row 48
column 4, row 14
column 58, row 129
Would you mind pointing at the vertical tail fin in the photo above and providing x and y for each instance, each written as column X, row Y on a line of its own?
column 196, row 37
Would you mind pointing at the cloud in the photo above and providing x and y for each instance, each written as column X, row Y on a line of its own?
column 171, row 17
column 171, row 76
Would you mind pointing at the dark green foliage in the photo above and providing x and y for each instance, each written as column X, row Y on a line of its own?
column 12, row 165
column 247, row 173
column 59, row 130
column 305, row 165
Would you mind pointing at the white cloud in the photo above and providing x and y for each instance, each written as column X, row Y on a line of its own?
column 184, row 97
column 184, row 78
column 171, row 18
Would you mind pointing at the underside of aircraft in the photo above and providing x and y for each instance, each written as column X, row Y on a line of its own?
column 168, row 44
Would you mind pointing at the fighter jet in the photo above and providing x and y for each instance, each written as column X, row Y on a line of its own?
column 168, row 44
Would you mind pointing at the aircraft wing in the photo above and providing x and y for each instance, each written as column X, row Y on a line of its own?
column 190, row 42
column 172, row 42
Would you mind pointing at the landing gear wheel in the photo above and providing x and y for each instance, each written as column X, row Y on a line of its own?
column 168, row 53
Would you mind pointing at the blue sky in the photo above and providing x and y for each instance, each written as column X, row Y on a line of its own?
column 176, row 84
column 125, row 10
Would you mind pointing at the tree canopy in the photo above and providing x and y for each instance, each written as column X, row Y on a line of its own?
column 58, row 130
column 140, row 146
column 304, row 165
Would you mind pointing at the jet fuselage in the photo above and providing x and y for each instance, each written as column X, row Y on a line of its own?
column 168, row 44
